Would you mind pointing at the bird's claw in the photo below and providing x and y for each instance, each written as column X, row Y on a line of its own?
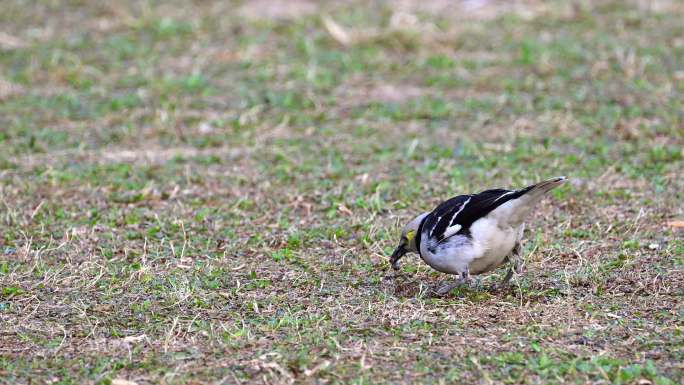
column 446, row 288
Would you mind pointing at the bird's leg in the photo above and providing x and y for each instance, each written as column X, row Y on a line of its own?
column 508, row 277
column 463, row 279
column 516, row 265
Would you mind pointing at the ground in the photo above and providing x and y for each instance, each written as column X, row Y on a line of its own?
column 208, row 191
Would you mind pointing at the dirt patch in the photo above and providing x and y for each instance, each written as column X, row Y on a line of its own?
column 393, row 93
column 474, row 9
column 150, row 156
column 8, row 42
column 9, row 89
column 357, row 91
column 277, row 10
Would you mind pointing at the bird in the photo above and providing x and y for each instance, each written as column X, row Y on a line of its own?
column 473, row 234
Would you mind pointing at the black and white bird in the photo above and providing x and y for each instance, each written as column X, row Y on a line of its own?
column 473, row 234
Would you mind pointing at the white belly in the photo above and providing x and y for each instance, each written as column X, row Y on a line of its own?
column 484, row 251
column 495, row 243
column 452, row 256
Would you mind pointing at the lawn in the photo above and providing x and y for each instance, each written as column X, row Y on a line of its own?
column 208, row 191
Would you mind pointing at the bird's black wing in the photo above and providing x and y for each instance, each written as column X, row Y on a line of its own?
column 444, row 216
column 464, row 210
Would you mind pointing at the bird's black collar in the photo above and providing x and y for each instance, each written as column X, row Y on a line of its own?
column 419, row 234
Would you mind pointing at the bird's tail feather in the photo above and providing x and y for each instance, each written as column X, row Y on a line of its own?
column 539, row 189
column 516, row 210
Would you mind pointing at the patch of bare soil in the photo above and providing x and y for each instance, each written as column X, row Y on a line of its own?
column 277, row 10
column 474, row 9
column 355, row 91
column 9, row 89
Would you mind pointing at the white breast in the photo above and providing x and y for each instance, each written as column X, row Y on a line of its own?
column 453, row 256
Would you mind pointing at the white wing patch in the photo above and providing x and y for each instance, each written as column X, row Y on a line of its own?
column 451, row 230
column 455, row 215
column 503, row 195
column 434, row 227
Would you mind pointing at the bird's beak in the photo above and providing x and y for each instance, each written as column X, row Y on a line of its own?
column 396, row 255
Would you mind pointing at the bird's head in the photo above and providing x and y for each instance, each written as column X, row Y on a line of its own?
column 407, row 242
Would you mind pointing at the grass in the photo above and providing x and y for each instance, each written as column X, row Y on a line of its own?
column 208, row 192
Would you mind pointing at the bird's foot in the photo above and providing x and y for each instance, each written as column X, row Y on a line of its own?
column 463, row 279
column 475, row 283
column 449, row 286
column 506, row 281
column 444, row 289
column 497, row 286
